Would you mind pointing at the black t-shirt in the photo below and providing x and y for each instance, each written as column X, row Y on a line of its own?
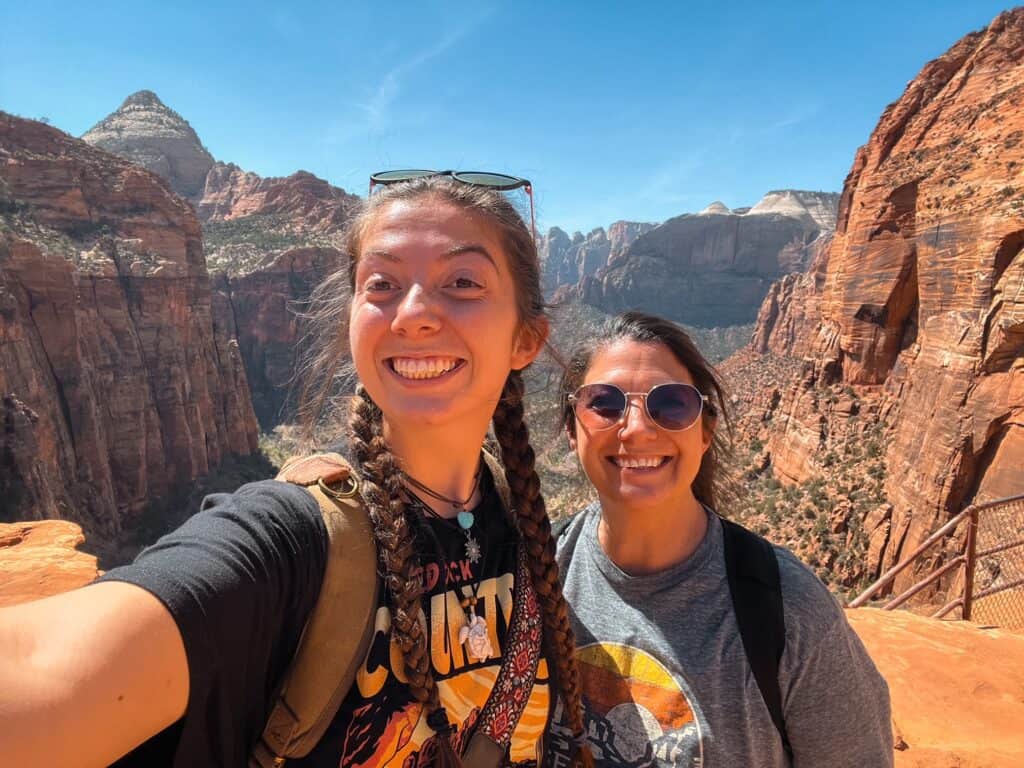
column 380, row 723
column 240, row 579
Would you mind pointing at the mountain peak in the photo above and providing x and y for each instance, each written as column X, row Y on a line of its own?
column 142, row 98
column 717, row 207
column 146, row 131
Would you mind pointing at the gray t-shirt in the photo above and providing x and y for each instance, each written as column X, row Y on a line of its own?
column 667, row 683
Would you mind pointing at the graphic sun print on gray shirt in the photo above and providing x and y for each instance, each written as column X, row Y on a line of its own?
column 666, row 680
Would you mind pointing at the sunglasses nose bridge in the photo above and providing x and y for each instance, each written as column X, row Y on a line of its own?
column 636, row 402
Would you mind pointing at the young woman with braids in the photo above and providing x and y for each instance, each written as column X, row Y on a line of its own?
column 700, row 644
column 173, row 660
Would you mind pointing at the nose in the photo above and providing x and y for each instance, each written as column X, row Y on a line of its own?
column 635, row 421
column 416, row 313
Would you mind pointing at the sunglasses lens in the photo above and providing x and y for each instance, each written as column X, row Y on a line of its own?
column 674, row 406
column 599, row 406
column 494, row 180
column 390, row 177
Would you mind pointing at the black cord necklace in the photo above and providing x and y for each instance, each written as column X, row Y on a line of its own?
column 474, row 634
column 465, row 518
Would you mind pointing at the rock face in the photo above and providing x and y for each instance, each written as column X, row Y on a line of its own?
column 115, row 387
column 268, row 241
column 567, row 260
column 819, row 207
column 147, row 132
column 713, row 268
column 957, row 691
column 306, row 203
column 42, row 559
column 259, row 309
column 919, row 300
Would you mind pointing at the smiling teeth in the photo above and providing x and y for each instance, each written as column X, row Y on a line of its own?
column 638, row 462
column 423, row 368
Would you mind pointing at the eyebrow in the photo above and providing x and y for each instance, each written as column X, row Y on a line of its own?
column 458, row 250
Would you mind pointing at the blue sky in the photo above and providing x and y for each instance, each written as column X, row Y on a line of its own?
column 636, row 111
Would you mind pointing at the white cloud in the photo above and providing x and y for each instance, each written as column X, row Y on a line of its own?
column 375, row 114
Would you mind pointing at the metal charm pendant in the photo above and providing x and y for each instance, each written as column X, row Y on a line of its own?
column 475, row 637
column 473, row 552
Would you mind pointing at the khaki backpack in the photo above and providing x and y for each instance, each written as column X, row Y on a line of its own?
column 338, row 633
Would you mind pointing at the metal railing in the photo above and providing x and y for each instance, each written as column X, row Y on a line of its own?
column 990, row 588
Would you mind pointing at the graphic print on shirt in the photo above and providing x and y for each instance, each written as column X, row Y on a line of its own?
column 388, row 727
column 638, row 714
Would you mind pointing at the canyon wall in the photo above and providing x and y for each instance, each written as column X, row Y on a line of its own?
column 267, row 241
column 709, row 269
column 116, row 384
column 917, row 304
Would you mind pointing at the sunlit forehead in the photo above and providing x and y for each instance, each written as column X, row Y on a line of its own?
column 635, row 366
column 423, row 232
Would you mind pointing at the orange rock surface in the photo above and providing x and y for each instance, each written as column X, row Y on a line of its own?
column 957, row 690
column 42, row 559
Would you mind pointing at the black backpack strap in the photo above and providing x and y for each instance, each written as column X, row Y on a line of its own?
column 753, row 573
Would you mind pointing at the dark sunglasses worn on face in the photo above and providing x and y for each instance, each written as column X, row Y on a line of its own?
column 673, row 407
column 497, row 181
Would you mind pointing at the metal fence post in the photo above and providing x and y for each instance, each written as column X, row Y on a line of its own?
column 972, row 542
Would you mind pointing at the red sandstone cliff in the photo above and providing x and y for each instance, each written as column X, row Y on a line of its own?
column 267, row 241
column 115, row 386
column 917, row 307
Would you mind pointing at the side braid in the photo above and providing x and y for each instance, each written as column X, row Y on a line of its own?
column 531, row 516
column 381, row 490
column 395, row 540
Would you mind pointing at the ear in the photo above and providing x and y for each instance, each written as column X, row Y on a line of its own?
column 707, row 434
column 529, row 342
column 570, row 435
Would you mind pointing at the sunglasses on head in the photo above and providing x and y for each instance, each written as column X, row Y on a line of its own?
column 673, row 407
column 496, row 181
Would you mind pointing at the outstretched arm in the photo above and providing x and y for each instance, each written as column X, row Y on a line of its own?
column 87, row 675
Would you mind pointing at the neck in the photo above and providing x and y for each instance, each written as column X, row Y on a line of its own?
column 648, row 540
column 443, row 458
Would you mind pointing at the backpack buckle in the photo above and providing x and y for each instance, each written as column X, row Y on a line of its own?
column 346, row 489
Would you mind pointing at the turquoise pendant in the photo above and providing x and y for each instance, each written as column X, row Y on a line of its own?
column 465, row 520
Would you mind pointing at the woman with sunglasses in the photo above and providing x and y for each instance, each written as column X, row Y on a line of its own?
column 667, row 677
column 175, row 659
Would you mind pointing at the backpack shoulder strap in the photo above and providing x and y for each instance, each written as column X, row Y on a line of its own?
column 338, row 632
column 500, row 481
column 753, row 574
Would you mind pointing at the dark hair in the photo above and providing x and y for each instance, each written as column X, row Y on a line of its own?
column 651, row 329
column 382, row 488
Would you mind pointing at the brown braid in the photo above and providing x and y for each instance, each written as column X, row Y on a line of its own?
column 382, row 495
column 531, row 516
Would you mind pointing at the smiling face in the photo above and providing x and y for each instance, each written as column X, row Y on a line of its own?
column 636, row 466
column 434, row 329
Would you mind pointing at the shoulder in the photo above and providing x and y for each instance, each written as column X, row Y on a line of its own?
column 269, row 523
column 567, row 530
column 272, row 505
column 811, row 611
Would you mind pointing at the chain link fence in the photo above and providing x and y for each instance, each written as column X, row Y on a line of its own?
column 998, row 593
